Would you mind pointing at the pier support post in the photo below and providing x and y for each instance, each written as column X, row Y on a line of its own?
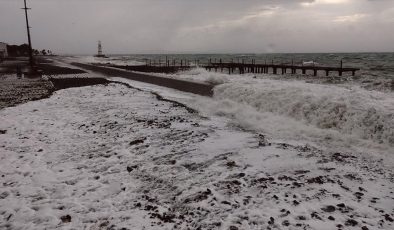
column 340, row 71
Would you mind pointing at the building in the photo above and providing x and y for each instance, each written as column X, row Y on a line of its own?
column 3, row 50
column 100, row 51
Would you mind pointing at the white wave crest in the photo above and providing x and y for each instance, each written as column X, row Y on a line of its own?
column 116, row 60
column 309, row 63
column 366, row 114
column 198, row 75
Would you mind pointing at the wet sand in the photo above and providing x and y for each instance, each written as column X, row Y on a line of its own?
column 14, row 91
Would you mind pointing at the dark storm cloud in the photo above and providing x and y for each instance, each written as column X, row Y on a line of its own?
column 127, row 26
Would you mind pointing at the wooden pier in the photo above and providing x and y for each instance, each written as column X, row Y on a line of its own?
column 242, row 68
column 171, row 66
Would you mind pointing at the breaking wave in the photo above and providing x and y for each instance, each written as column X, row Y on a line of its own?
column 355, row 111
column 294, row 108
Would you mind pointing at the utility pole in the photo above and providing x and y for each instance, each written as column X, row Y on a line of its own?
column 31, row 60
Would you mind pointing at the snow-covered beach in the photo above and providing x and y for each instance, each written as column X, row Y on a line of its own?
column 123, row 156
column 197, row 115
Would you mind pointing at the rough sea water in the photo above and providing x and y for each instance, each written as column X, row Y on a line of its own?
column 376, row 69
column 348, row 112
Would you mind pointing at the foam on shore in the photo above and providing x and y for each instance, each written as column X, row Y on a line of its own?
column 290, row 109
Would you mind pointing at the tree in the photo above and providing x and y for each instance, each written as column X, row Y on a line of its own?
column 43, row 52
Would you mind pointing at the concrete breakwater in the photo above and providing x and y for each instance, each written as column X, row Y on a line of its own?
column 182, row 85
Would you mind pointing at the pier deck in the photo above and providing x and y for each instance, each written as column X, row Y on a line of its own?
column 276, row 68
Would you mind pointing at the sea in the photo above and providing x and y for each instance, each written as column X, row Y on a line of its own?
column 348, row 112
column 376, row 69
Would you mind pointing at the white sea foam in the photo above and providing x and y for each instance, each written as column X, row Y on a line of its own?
column 369, row 115
column 301, row 111
column 198, row 75
column 309, row 63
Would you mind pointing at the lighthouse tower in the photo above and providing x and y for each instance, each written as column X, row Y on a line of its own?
column 99, row 50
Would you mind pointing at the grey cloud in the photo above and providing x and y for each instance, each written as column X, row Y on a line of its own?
column 140, row 26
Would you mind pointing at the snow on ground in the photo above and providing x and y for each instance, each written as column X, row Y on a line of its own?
column 113, row 157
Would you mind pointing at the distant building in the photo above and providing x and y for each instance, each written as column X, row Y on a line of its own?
column 100, row 51
column 3, row 50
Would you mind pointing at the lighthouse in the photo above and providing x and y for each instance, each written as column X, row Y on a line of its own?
column 100, row 50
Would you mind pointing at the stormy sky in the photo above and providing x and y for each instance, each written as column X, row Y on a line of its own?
column 202, row 26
